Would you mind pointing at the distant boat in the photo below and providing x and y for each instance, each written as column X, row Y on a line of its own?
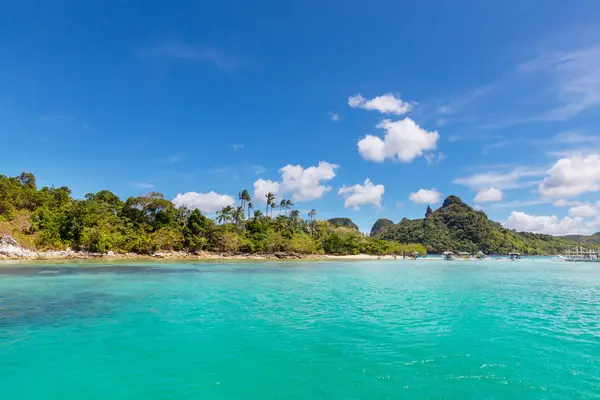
column 514, row 256
column 579, row 254
column 449, row 256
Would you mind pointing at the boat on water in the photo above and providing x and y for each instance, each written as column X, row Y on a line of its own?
column 514, row 256
column 449, row 256
column 579, row 254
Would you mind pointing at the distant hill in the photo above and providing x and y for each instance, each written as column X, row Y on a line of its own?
column 456, row 226
column 595, row 238
column 343, row 222
column 379, row 225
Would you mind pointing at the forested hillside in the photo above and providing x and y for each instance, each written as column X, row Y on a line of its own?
column 455, row 226
column 595, row 238
column 49, row 218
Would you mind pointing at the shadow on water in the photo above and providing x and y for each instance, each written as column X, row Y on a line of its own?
column 49, row 310
column 58, row 270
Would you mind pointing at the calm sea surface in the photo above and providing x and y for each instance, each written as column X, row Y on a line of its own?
column 348, row 330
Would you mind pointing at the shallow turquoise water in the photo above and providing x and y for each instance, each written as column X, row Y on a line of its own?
column 351, row 330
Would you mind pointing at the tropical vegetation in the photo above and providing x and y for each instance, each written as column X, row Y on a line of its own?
column 455, row 226
column 50, row 218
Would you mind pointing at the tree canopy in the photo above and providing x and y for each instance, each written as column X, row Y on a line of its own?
column 49, row 218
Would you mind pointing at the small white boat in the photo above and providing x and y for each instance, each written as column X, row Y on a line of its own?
column 449, row 256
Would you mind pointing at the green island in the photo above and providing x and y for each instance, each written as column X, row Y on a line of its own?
column 50, row 219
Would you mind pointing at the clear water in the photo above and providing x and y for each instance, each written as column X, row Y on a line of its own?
column 348, row 330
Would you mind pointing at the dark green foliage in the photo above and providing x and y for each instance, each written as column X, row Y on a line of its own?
column 101, row 222
column 428, row 212
column 379, row 225
column 457, row 227
column 343, row 223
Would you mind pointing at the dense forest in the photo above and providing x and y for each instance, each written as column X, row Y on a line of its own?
column 49, row 218
column 455, row 226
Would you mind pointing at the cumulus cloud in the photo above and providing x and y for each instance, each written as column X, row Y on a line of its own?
column 425, row 196
column 551, row 225
column 489, row 195
column 517, row 178
column 583, row 211
column 206, row 202
column 360, row 195
column 572, row 176
column 385, row 104
column 334, row 117
column 264, row 186
column 300, row 184
column 403, row 141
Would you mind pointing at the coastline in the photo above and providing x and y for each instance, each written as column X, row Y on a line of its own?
column 28, row 255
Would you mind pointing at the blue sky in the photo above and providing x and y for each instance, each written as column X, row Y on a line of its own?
column 495, row 101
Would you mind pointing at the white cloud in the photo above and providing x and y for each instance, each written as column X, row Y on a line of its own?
column 206, row 202
column 359, row 195
column 403, row 141
column 385, row 104
column 583, row 211
column 572, row 176
column 298, row 183
column 262, row 187
column 489, row 195
column 515, row 179
column 551, row 225
column 237, row 146
column 334, row 117
column 425, row 196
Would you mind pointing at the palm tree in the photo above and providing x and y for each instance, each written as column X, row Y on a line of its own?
column 250, row 207
column 257, row 214
column 282, row 204
column 294, row 216
column 288, row 204
column 238, row 215
column 224, row 215
column 312, row 214
column 273, row 205
column 270, row 202
column 245, row 198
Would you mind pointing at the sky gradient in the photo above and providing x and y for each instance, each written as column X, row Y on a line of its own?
column 358, row 109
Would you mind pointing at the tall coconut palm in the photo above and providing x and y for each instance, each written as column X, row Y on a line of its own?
column 257, row 214
column 312, row 214
column 270, row 202
column 295, row 217
column 282, row 204
column 245, row 198
column 273, row 205
column 288, row 204
column 250, row 208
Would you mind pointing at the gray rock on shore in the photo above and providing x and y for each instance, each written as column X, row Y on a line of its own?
column 9, row 247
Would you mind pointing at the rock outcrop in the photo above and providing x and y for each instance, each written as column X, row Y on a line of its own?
column 9, row 247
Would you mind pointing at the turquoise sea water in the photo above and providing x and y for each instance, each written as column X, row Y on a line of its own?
column 347, row 330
